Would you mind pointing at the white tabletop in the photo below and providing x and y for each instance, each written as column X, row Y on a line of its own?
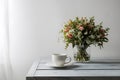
column 90, row 69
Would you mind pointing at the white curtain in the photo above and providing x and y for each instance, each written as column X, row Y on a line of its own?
column 5, row 66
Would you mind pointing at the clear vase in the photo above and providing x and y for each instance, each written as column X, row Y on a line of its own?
column 81, row 55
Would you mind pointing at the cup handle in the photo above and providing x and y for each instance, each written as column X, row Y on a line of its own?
column 68, row 60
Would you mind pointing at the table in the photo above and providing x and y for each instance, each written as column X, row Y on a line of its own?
column 101, row 70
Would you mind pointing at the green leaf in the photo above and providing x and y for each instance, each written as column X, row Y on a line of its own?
column 101, row 24
column 73, row 45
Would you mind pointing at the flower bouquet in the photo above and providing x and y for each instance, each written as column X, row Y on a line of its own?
column 83, row 32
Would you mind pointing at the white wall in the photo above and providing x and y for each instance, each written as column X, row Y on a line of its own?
column 34, row 28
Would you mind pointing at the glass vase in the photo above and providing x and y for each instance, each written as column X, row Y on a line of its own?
column 81, row 55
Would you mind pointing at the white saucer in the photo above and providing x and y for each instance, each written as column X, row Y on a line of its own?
column 53, row 65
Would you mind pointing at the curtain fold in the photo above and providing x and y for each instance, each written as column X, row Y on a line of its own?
column 5, row 65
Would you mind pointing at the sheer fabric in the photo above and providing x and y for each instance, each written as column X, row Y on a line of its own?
column 5, row 66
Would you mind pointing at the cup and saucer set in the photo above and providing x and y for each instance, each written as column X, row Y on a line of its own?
column 60, row 61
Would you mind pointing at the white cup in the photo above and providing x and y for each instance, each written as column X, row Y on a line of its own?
column 60, row 59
